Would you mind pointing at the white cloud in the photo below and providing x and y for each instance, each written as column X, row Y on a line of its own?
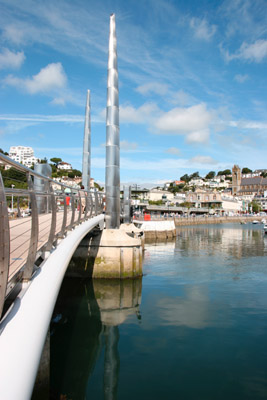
column 173, row 151
column 43, row 118
column 14, row 34
column 153, row 87
column 184, row 120
column 203, row 160
column 58, row 101
column 181, row 98
column 128, row 146
column 250, row 52
column 143, row 114
column 241, row 78
column 254, row 52
column 201, row 136
column 201, row 28
column 11, row 60
column 49, row 79
column 260, row 125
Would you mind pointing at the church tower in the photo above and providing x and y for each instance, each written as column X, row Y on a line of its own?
column 236, row 179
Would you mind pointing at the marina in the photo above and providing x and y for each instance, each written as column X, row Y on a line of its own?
column 193, row 327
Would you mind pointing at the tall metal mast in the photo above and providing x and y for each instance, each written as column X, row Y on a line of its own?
column 87, row 145
column 112, row 135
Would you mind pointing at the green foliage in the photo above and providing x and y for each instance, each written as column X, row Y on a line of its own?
column 225, row 172
column 185, row 178
column 56, row 160
column 54, row 168
column 4, row 152
column 210, row 175
column 96, row 185
column 155, row 202
column 186, row 204
column 246, row 170
column 255, row 206
column 194, row 175
column 71, row 174
column 264, row 174
column 176, row 189
column 77, row 172
column 14, row 177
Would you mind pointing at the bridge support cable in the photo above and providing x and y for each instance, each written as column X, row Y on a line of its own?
column 23, row 330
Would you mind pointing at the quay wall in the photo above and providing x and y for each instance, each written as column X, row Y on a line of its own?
column 214, row 220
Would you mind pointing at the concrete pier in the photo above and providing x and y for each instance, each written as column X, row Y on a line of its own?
column 158, row 230
column 111, row 253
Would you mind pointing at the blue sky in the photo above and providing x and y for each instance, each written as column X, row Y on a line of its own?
column 192, row 81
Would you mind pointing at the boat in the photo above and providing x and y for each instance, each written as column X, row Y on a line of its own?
column 265, row 229
column 255, row 221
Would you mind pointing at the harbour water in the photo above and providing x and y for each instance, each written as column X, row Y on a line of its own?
column 194, row 327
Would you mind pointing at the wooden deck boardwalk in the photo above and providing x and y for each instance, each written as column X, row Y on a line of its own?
column 20, row 234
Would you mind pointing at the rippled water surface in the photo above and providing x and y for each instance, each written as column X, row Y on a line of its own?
column 194, row 327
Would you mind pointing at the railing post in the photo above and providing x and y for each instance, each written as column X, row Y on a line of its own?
column 80, row 207
column 90, row 204
column 64, row 222
column 4, row 245
column 96, row 204
column 34, row 232
column 54, row 219
column 73, row 211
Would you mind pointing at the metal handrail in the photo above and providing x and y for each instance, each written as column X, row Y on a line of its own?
column 78, row 206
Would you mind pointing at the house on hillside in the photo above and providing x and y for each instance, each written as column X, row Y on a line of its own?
column 64, row 166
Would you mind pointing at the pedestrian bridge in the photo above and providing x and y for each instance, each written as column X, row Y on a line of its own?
column 40, row 230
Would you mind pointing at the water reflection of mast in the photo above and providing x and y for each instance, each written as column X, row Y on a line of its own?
column 111, row 363
column 116, row 299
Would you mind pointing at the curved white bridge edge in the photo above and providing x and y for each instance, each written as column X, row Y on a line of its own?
column 23, row 331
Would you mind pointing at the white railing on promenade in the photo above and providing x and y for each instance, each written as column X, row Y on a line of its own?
column 34, row 220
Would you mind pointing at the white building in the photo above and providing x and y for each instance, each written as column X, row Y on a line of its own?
column 156, row 194
column 23, row 155
column 198, row 182
column 64, row 166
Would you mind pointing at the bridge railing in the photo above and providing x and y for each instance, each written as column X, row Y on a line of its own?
column 36, row 212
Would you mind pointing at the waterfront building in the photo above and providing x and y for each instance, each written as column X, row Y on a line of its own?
column 205, row 199
column 157, row 194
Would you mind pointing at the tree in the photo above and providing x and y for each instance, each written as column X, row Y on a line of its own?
column 246, row 170
column 71, row 175
column 77, row 172
column 255, row 206
column 225, row 172
column 56, row 160
column 210, row 175
column 185, row 178
column 194, row 175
